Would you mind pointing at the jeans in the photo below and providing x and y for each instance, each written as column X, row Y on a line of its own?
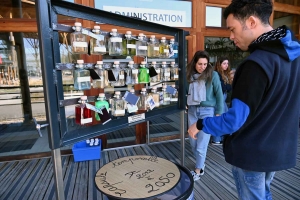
column 220, row 138
column 199, row 146
column 252, row 185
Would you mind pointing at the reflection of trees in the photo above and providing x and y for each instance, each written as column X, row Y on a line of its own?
column 33, row 41
column 66, row 49
column 219, row 47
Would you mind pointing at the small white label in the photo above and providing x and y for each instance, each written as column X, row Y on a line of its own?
column 121, row 76
column 99, row 49
column 83, row 79
column 115, row 39
column 135, row 71
column 157, row 70
column 131, row 46
column 166, row 50
column 167, row 74
column 85, row 121
column 142, row 47
column 175, row 76
column 167, row 99
column 156, row 48
column 135, row 118
column 151, row 102
column 119, row 112
column 174, row 99
column 175, row 51
column 147, row 71
column 132, row 108
column 80, row 44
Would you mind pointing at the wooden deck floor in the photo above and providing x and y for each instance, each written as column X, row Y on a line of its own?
column 33, row 179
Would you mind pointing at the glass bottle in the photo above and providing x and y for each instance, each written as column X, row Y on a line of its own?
column 102, row 81
column 173, row 47
column 174, row 71
column 131, row 108
column 78, row 40
column 142, row 103
column 165, row 72
column 118, row 105
column 157, row 69
column 132, row 74
column 82, row 79
column 153, row 47
column 119, row 74
column 141, row 45
column 101, row 101
column 115, row 47
column 83, row 115
column 155, row 95
column 97, row 46
column 129, row 45
column 166, row 96
column 144, row 73
column 174, row 97
column 163, row 48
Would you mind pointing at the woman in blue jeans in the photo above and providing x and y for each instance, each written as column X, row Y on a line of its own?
column 204, row 99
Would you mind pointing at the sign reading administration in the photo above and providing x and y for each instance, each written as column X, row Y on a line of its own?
column 171, row 18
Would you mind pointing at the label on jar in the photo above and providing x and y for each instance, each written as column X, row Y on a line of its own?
column 119, row 112
column 87, row 120
column 167, row 99
column 83, row 79
column 142, row 47
column 80, row 44
column 116, row 39
column 167, row 74
column 175, row 51
column 156, row 48
column 166, row 50
column 175, row 76
column 99, row 49
column 121, row 76
column 157, row 70
column 131, row 46
column 135, row 71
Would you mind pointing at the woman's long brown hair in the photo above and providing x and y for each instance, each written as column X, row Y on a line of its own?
column 225, row 74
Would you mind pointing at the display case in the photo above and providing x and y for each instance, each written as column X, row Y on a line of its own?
column 48, row 29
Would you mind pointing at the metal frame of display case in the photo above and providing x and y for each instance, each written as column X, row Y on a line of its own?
column 58, row 134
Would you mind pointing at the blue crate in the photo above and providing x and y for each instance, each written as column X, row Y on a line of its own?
column 83, row 152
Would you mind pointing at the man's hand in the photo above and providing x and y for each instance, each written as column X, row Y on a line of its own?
column 193, row 131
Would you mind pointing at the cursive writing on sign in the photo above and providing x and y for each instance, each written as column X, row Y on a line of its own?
column 139, row 175
column 160, row 183
column 109, row 186
column 132, row 160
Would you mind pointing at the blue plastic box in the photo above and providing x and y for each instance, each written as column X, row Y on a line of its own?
column 83, row 152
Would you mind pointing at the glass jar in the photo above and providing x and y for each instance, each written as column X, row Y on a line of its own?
column 101, row 101
column 97, row 46
column 141, row 45
column 153, row 47
column 166, row 96
column 119, row 74
column 132, row 74
column 102, row 81
column 142, row 103
column 129, row 45
column 155, row 95
column 115, row 47
column 82, row 79
column 143, row 73
column 156, row 78
column 173, row 48
column 165, row 72
column 163, row 48
column 83, row 115
column 174, row 71
column 118, row 105
column 78, row 40
column 174, row 97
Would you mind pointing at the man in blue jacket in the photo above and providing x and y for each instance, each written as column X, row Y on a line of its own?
column 262, row 122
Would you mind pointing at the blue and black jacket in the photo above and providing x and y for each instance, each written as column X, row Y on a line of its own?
column 262, row 122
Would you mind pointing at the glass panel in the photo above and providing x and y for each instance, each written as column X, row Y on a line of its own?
column 217, row 47
column 290, row 2
column 290, row 20
column 214, row 17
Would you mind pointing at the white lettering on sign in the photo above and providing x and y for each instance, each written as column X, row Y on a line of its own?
column 135, row 118
column 173, row 18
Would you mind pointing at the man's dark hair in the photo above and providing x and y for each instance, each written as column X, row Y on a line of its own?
column 242, row 9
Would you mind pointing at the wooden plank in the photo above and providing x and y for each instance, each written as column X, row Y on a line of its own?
column 281, row 7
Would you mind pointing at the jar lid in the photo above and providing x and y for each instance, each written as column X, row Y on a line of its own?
column 116, row 62
column 144, row 90
column 152, row 36
column 114, row 30
column 172, row 63
column 164, row 62
column 128, row 32
column 173, row 85
column 131, row 90
column 153, row 62
column 97, row 27
column 164, row 86
column 77, row 24
column 117, row 92
column 143, row 62
column 163, row 38
column 83, row 98
column 131, row 62
column 141, row 34
column 101, row 95
column 80, row 61
column 172, row 39
column 100, row 62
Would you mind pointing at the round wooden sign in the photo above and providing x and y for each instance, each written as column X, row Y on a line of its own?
column 136, row 177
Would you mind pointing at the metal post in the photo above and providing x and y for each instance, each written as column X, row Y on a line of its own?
column 57, row 171
column 182, row 136
column 148, row 133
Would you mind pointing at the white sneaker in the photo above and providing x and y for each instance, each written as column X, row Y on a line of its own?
column 196, row 176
